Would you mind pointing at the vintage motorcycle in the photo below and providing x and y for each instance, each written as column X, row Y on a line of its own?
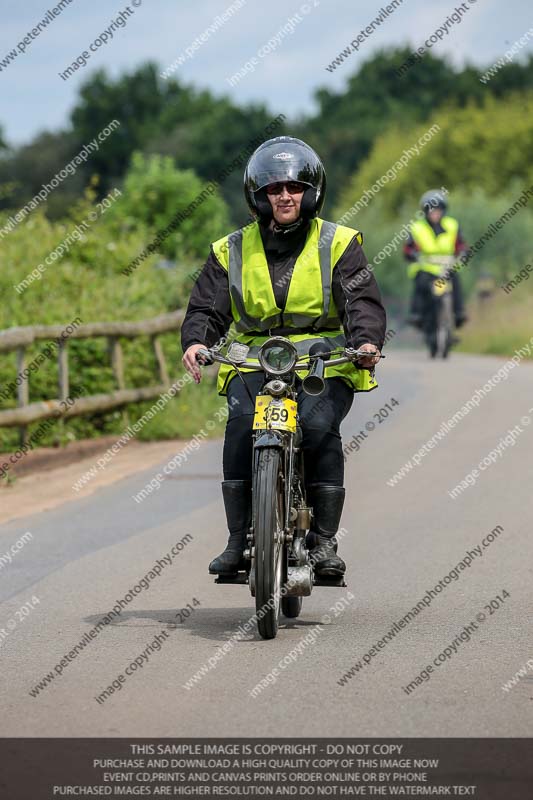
column 279, row 572
column 439, row 319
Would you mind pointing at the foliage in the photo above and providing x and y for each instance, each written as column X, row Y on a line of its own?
column 375, row 100
column 31, row 166
column 207, row 133
column 187, row 414
column 154, row 192
column 137, row 100
column 87, row 282
column 476, row 147
column 197, row 130
column 489, row 331
column 218, row 138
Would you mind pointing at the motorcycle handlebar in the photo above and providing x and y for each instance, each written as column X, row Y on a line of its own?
column 351, row 355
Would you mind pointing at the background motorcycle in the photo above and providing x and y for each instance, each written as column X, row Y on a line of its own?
column 438, row 323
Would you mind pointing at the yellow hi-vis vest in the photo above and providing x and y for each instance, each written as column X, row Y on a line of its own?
column 308, row 302
column 430, row 244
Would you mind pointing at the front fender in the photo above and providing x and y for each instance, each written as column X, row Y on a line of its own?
column 269, row 439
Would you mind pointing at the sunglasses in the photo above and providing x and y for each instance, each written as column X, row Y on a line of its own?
column 293, row 187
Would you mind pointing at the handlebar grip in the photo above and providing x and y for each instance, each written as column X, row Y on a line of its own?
column 358, row 354
column 205, row 354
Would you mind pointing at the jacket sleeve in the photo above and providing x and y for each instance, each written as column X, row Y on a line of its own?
column 208, row 314
column 410, row 249
column 461, row 247
column 358, row 299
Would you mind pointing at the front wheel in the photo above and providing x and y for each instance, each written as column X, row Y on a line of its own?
column 268, row 536
column 445, row 327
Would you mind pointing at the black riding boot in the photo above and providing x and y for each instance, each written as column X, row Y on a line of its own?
column 238, row 504
column 327, row 502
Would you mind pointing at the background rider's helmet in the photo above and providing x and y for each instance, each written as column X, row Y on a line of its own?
column 284, row 159
column 435, row 198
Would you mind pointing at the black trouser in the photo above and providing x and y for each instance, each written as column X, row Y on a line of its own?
column 422, row 299
column 320, row 419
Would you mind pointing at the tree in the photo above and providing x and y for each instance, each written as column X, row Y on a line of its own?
column 155, row 191
column 136, row 100
column 31, row 166
column 473, row 147
column 206, row 133
column 348, row 122
column 220, row 141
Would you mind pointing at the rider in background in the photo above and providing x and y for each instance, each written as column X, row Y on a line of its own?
column 292, row 274
column 437, row 234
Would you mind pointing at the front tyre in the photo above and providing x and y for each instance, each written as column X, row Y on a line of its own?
column 268, row 535
column 446, row 325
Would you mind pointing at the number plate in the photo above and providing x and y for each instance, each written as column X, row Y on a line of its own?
column 278, row 414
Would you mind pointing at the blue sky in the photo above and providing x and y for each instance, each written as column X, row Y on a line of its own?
column 33, row 97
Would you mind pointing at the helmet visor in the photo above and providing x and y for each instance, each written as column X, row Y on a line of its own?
column 433, row 200
column 269, row 167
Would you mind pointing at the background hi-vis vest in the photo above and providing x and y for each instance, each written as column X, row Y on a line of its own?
column 309, row 301
column 432, row 245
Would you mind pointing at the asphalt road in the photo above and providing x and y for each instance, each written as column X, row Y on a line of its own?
column 400, row 541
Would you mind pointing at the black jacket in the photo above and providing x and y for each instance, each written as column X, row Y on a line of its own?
column 360, row 308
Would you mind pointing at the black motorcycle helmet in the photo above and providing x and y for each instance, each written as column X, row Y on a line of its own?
column 434, row 198
column 284, row 158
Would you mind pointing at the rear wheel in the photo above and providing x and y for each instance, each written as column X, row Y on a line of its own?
column 268, row 535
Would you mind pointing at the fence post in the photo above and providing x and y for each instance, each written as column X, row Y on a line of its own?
column 62, row 370
column 117, row 365
column 63, row 378
column 23, row 391
column 117, row 361
column 160, row 358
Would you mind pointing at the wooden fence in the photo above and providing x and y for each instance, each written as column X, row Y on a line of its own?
column 18, row 339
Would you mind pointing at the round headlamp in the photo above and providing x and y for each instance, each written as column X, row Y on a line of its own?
column 278, row 355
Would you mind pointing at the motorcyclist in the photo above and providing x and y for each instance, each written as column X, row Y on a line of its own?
column 293, row 274
column 436, row 234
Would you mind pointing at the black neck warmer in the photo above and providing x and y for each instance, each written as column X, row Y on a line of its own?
column 283, row 239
